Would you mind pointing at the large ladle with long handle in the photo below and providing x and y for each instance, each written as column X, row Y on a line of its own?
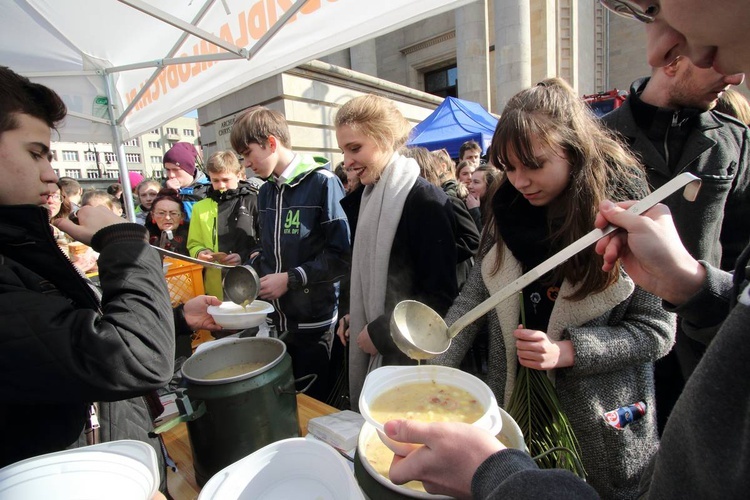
column 421, row 333
column 241, row 283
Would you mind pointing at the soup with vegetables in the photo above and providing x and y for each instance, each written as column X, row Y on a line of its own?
column 380, row 457
column 426, row 402
column 234, row 370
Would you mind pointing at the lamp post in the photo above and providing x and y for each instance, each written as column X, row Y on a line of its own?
column 96, row 159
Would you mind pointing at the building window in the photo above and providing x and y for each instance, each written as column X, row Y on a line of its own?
column 156, row 160
column 70, row 156
column 133, row 157
column 112, row 174
column 172, row 130
column 132, row 142
column 54, row 155
column 153, row 144
column 92, row 174
column 188, row 132
column 110, row 157
column 89, row 156
column 155, row 131
column 156, row 174
column 73, row 172
column 442, row 82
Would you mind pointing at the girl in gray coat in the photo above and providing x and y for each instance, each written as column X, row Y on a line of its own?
column 594, row 333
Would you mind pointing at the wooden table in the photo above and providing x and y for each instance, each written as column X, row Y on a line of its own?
column 182, row 484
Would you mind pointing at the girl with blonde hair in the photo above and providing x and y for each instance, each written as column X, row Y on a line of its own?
column 403, row 227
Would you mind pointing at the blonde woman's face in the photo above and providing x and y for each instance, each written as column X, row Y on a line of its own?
column 464, row 176
column 478, row 186
column 362, row 155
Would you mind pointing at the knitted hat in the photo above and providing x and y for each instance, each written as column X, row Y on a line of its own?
column 135, row 179
column 183, row 155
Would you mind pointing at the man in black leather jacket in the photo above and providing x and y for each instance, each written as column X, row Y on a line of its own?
column 74, row 364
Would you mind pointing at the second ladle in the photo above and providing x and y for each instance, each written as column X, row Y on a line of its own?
column 420, row 332
column 241, row 283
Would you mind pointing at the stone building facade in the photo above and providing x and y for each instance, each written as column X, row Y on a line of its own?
column 484, row 51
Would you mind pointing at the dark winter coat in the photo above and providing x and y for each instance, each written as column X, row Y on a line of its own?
column 422, row 260
column 63, row 349
column 705, row 447
column 714, row 227
column 303, row 229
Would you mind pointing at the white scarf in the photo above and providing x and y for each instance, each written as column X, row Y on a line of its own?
column 379, row 214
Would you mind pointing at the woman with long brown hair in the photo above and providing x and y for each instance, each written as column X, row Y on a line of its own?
column 594, row 333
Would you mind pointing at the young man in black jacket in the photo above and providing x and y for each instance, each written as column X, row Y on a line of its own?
column 668, row 121
column 74, row 364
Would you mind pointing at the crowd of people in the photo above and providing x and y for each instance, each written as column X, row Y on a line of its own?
column 337, row 248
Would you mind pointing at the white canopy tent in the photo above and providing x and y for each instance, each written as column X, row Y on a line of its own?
column 124, row 67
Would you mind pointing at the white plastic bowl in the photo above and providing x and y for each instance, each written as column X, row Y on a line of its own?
column 368, row 433
column 234, row 317
column 117, row 470
column 287, row 469
column 511, row 435
column 385, row 378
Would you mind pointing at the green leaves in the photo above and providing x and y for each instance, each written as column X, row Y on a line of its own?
column 546, row 429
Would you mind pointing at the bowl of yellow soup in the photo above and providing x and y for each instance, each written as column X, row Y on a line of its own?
column 427, row 394
column 375, row 459
column 235, row 317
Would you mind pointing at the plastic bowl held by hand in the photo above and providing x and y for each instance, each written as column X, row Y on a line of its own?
column 235, row 317
column 287, row 469
column 388, row 377
column 119, row 470
column 368, row 441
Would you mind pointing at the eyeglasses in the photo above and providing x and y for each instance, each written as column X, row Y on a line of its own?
column 55, row 196
column 630, row 9
column 162, row 214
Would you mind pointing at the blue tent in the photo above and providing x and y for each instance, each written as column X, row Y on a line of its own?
column 454, row 122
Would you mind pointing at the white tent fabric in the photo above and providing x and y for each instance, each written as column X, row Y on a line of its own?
column 98, row 54
column 87, row 39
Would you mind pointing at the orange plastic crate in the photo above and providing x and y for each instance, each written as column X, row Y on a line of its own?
column 185, row 281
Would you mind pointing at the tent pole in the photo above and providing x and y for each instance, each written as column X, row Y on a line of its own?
column 160, row 67
column 127, row 190
column 275, row 28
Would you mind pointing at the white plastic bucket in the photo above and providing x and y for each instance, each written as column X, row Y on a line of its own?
column 117, row 470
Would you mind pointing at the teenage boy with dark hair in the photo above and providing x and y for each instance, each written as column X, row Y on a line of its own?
column 304, row 237
column 74, row 365
column 470, row 151
column 73, row 190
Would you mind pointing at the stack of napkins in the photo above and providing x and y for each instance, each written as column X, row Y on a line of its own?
column 340, row 429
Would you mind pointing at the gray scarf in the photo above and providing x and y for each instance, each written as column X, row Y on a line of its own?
column 379, row 214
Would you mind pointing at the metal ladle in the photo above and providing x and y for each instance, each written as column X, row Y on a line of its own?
column 241, row 283
column 421, row 333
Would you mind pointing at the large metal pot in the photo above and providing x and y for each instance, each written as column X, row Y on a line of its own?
column 238, row 415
